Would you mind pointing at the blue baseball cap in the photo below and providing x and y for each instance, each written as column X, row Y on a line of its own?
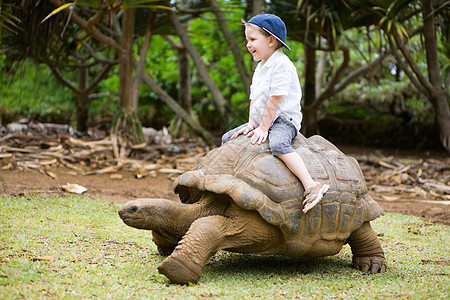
column 273, row 25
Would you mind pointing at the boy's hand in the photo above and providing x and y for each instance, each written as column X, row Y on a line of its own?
column 258, row 135
column 245, row 131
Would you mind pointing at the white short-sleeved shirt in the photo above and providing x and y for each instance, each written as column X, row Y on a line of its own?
column 276, row 77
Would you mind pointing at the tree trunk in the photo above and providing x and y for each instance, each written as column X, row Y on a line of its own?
column 180, row 127
column 82, row 99
column 433, row 88
column 321, row 71
column 257, row 6
column 127, row 102
column 441, row 107
column 309, row 123
column 253, row 8
column 439, row 96
column 127, row 124
column 82, row 111
column 184, row 79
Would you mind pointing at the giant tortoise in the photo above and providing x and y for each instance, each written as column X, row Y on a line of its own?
column 240, row 198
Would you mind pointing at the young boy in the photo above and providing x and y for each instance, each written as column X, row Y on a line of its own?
column 275, row 93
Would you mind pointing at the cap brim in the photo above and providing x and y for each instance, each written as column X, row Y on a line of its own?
column 283, row 43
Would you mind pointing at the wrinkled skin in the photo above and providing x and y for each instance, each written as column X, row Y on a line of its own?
column 189, row 234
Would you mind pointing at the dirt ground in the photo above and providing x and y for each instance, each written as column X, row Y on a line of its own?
column 127, row 187
column 41, row 158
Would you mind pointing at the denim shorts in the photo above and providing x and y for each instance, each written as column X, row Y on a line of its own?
column 281, row 134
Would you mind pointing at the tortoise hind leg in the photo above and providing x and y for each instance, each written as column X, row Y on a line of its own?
column 368, row 256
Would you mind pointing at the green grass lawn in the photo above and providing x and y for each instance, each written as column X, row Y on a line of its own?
column 77, row 248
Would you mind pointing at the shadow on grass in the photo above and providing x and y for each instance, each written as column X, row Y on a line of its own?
column 251, row 265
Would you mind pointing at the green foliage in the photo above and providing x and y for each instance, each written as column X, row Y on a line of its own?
column 386, row 113
column 215, row 52
column 97, row 256
column 34, row 93
column 162, row 65
column 107, row 105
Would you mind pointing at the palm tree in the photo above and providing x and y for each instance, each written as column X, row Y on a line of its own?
column 64, row 54
column 112, row 24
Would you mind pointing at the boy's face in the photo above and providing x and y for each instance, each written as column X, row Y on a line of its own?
column 259, row 45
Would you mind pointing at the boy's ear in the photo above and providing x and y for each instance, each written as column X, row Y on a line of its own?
column 272, row 41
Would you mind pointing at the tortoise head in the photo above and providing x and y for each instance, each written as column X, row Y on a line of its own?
column 144, row 213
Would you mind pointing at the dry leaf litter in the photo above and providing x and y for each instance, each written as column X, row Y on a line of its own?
column 29, row 145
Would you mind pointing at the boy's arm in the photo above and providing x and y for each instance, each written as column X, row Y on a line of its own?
column 249, row 128
column 250, row 120
column 260, row 134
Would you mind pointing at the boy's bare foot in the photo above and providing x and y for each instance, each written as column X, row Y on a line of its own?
column 313, row 195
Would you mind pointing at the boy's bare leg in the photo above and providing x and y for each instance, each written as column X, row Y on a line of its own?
column 313, row 191
column 295, row 163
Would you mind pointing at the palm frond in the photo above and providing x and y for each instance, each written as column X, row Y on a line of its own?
column 57, row 10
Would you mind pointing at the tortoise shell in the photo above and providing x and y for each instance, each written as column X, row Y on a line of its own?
column 256, row 180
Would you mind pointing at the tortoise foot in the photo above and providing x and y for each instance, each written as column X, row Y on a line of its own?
column 178, row 271
column 368, row 256
column 372, row 265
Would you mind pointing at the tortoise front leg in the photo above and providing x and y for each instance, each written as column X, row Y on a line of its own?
column 244, row 232
column 368, row 256
column 202, row 240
